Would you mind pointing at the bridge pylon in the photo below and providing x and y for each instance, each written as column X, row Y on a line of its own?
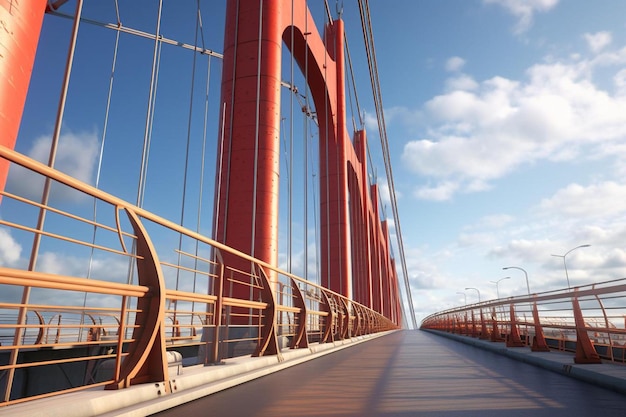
column 355, row 252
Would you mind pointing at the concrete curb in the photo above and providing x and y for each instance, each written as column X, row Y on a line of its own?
column 607, row 374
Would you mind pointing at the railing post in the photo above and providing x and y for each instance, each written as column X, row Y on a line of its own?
column 473, row 324
column 300, row 339
column 121, row 335
column 539, row 341
column 585, row 350
column 513, row 339
column 484, row 334
column 327, row 334
column 466, row 327
column 268, row 340
column 217, row 318
column 146, row 360
column 495, row 332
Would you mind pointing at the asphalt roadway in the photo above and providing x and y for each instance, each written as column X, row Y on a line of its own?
column 415, row 373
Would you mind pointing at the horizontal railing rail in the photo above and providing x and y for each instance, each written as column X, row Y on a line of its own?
column 588, row 320
column 129, row 288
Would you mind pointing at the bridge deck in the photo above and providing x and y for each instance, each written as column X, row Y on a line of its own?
column 405, row 373
column 417, row 373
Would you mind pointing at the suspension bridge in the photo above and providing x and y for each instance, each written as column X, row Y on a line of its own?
column 202, row 207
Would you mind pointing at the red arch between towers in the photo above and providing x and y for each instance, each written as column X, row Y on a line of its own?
column 356, row 256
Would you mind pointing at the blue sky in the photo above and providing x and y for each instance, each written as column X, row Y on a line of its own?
column 508, row 133
column 506, row 121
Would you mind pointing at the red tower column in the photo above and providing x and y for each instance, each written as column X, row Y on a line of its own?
column 21, row 25
column 246, row 210
column 336, row 271
column 247, row 192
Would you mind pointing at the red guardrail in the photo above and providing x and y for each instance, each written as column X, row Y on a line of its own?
column 588, row 320
column 117, row 324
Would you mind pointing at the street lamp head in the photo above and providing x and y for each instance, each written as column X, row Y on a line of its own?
column 565, row 265
column 525, row 275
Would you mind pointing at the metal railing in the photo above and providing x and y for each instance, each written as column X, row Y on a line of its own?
column 588, row 320
column 136, row 294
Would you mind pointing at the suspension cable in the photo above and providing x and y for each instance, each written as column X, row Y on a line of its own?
column 101, row 153
column 187, row 147
column 256, row 134
column 290, row 161
column 202, row 164
column 315, row 220
column 104, row 131
column 139, row 33
column 149, row 112
column 22, row 315
column 231, row 111
column 373, row 68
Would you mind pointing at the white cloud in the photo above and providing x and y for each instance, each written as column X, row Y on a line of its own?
column 441, row 192
column 524, row 249
column 10, row 250
column 454, row 64
column 107, row 269
column 555, row 114
column 524, row 10
column 494, row 221
column 461, row 82
column 76, row 156
column 597, row 200
column 598, row 41
column 620, row 81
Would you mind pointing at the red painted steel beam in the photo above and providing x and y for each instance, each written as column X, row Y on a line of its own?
column 246, row 212
column 21, row 25
column 251, row 97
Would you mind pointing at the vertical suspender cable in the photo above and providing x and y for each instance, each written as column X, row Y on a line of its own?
column 256, row 153
column 203, row 154
column 256, row 133
column 305, row 149
column 230, row 143
column 104, row 130
column 327, row 214
column 101, row 154
column 290, row 164
column 186, row 165
column 149, row 111
column 56, row 134
column 21, row 320
column 315, row 215
column 143, row 170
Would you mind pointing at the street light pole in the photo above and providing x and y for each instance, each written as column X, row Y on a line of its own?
column 464, row 295
column 475, row 289
column 565, row 265
column 497, row 282
column 525, row 274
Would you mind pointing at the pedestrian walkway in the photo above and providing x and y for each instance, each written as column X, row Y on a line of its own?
column 408, row 374
column 400, row 374
column 608, row 374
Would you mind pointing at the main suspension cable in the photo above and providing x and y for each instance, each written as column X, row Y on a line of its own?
column 373, row 68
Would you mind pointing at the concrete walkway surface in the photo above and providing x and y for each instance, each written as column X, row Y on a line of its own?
column 610, row 375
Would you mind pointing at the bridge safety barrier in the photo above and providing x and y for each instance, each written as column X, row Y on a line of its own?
column 106, row 299
column 588, row 321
